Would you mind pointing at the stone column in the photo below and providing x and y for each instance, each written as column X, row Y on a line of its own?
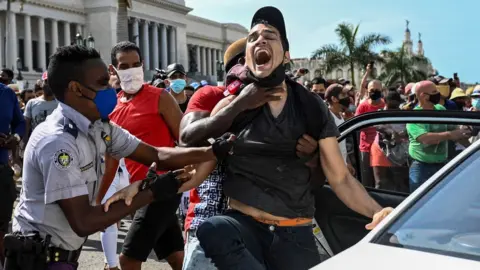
column 208, row 58
column 164, row 46
column 198, row 59
column 2, row 52
column 173, row 45
column 27, row 42
column 54, row 43
column 155, row 56
column 187, row 68
column 204, row 60
column 215, row 59
column 66, row 34
column 78, row 29
column 42, row 54
column 145, row 46
column 135, row 32
column 12, row 51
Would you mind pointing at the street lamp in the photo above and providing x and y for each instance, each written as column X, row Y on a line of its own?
column 19, row 75
column 220, row 70
column 87, row 42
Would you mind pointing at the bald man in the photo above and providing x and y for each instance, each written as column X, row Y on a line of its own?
column 429, row 142
column 373, row 103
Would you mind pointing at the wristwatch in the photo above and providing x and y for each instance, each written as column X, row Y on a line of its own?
column 17, row 137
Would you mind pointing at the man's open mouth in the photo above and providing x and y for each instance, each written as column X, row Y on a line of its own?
column 262, row 58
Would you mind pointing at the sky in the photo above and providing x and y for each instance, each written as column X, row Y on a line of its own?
column 450, row 29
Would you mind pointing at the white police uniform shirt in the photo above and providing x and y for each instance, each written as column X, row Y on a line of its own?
column 63, row 160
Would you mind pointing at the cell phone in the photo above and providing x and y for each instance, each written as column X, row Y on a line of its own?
column 304, row 70
column 455, row 75
column 372, row 63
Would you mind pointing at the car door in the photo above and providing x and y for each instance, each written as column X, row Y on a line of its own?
column 341, row 226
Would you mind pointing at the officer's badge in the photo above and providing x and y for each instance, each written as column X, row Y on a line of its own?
column 63, row 159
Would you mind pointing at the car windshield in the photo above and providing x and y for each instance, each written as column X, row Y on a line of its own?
column 447, row 219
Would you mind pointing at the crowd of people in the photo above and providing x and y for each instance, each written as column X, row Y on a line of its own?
column 94, row 144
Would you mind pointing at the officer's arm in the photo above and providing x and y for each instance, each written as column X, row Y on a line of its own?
column 86, row 219
column 167, row 158
column 65, row 184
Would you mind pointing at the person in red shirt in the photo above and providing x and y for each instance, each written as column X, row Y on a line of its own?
column 152, row 115
column 367, row 136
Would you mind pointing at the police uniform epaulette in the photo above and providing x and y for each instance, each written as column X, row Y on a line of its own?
column 70, row 127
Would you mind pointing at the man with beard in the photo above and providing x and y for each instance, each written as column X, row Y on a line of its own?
column 6, row 76
column 37, row 110
column 269, row 187
column 207, row 198
column 152, row 115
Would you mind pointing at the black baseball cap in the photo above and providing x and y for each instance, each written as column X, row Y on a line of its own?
column 274, row 17
column 441, row 80
column 172, row 68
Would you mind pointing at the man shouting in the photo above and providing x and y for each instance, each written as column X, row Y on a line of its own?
column 269, row 187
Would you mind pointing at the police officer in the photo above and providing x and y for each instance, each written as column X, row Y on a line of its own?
column 63, row 160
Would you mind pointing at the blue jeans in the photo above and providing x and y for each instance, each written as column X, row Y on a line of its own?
column 235, row 241
column 194, row 256
column 421, row 172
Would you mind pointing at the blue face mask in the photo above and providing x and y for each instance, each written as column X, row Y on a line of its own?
column 178, row 85
column 476, row 103
column 105, row 100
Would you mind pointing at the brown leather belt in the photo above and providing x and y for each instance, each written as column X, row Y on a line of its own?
column 287, row 222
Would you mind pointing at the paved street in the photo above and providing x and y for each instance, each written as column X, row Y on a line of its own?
column 92, row 253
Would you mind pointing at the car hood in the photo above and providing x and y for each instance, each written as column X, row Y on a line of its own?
column 368, row 256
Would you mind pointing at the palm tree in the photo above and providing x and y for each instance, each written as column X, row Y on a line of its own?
column 401, row 67
column 351, row 51
column 122, row 19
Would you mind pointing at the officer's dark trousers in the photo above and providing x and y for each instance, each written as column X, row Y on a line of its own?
column 235, row 241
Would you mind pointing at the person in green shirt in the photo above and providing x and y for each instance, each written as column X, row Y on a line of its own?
column 428, row 142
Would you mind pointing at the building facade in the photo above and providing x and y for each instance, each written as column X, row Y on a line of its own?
column 317, row 66
column 164, row 31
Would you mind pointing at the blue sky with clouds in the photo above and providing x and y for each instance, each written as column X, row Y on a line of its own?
column 450, row 29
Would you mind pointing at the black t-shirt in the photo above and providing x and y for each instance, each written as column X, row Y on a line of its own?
column 184, row 105
column 264, row 172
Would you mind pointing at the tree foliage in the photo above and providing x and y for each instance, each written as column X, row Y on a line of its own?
column 401, row 67
column 352, row 50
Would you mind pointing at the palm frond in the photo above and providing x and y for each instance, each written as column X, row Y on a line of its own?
column 345, row 32
column 373, row 40
column 332, row 56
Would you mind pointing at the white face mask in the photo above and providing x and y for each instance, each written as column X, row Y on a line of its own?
column 131, row 80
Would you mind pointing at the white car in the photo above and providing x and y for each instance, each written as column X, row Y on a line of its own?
column 436, row 227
